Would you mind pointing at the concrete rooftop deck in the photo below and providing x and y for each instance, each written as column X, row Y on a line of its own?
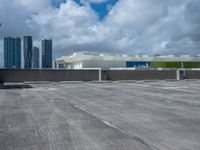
column 159, row 115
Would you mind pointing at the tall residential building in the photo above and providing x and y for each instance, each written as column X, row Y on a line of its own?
column 35, row 58
column 47, row 53
column 18, row 52
column 28, row 44
column 12, row 52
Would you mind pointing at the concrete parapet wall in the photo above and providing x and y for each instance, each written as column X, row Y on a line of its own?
column 192, row 74
column 141, row 74
column 14, row 75
column 23, row 75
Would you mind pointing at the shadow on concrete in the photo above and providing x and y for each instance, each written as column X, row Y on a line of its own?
column 15, row 86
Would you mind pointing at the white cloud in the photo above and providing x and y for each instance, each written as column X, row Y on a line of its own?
column 93, row 1
column 32, row 5
column 67, row 25
column 132, row 26
column 143, row 26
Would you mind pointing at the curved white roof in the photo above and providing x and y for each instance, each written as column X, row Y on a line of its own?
column 108, row 57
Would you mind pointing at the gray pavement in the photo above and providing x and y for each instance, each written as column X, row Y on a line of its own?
column 129, row 115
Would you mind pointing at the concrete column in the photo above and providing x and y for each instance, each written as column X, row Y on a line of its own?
column 100, row 77
column 178, row 74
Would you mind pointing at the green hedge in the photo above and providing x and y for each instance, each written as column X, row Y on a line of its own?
column 175, row 64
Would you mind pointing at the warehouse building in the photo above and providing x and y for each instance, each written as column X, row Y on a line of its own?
column 108, row 61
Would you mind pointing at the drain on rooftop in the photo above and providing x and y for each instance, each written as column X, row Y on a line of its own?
column 15, row 86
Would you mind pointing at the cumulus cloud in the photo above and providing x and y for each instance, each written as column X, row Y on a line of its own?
column 14, row 15
column 154, row 26
column 132, row 26
column 31, row 5
column 68, row 25
column 93, row 1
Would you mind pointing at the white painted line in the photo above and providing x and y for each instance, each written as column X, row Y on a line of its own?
column 109, row 124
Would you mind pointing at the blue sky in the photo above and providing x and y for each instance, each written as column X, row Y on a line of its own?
column 101, row 9
column 56, row 3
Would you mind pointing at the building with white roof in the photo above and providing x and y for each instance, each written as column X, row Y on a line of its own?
column 86, row 60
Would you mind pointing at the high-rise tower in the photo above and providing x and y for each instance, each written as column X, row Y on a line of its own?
column 35, row 57
column 28, row 44
column 47, row 53
column 12, row 52
column 18, row 52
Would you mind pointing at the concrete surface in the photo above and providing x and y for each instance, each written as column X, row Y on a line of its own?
column 159, row 115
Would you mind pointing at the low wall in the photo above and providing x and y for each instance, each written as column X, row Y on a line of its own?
column 15, row 75
column 141, row 74
column 192, row 74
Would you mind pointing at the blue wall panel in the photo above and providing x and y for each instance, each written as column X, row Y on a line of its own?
column 137, row 64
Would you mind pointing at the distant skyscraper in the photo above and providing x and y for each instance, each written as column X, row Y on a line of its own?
column 9, row 50
column 18, row 52
column 35, row 58
column 28, row 44
column 12, row 52
column 46, row 53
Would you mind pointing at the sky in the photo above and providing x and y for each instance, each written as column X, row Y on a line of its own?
column 168, row 27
